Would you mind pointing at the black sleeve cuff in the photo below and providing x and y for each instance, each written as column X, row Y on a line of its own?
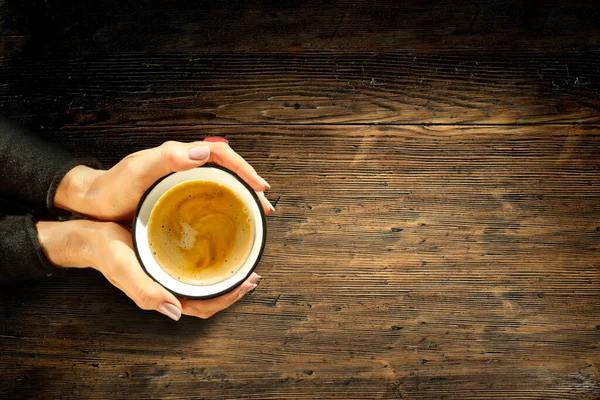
column 21, row 255
column 32, row 167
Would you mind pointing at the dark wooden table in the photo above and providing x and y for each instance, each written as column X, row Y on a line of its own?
column 436, row 170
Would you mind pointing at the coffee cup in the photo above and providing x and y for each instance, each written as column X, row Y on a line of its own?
column 199, row 233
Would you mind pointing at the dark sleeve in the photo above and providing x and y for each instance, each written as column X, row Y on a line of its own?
column 31, row 168
column 21, row 256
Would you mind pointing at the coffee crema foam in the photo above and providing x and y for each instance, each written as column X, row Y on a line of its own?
column 200, row 232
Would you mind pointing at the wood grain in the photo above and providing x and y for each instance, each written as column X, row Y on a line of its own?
column 435, row 169
column 403, row 262
column 307, row 88
column 154, row 26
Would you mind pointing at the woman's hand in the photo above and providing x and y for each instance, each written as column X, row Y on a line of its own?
column 108, row 247
column 114, row 194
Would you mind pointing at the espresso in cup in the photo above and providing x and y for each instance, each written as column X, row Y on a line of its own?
column 199, row 233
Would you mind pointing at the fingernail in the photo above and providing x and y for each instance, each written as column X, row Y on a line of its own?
column 265, row 183
column 271, row 206
column 199, row 153
column 255, row 278
column 170, row 311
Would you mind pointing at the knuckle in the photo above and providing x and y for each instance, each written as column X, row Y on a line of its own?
column 168, row 144
column 120, row 261
column 170, row 153
column 110, row 229
column 144, row 299
column 132, row 167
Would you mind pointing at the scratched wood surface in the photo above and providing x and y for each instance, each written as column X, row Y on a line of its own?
column 305, row 88
column 436, row 172
column 155, row 26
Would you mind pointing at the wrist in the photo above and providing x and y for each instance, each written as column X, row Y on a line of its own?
column 66, row 244
column 76, row 191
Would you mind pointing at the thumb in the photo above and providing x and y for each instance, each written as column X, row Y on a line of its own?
column 149, row 295
column 146, row 293
column 152, row 164
column 152, row 296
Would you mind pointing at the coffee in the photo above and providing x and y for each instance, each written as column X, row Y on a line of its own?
column 200, row 232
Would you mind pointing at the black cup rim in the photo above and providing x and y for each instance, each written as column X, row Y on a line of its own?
column 232, row 287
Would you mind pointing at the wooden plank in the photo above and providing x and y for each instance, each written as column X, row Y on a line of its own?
column 403, row 262
column 310, row 88
column 154, row 26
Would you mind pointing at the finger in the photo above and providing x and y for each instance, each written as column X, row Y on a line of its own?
column 225, row 156
column 216, row 139
column 207, row 308
column 266, row 204
column 127, row 274
column 150, row 165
